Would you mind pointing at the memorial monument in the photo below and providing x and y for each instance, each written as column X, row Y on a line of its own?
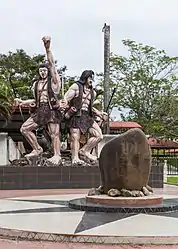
column 125, row 165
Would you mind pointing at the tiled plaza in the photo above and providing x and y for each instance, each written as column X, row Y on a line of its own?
column 45, row 215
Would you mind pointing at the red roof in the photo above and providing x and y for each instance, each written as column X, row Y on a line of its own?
column 172, row 150
column 122, row 124
column 157, row 142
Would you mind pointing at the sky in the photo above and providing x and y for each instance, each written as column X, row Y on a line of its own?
column 76, row 28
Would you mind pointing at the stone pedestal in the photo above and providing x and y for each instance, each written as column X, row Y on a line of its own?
column 125, row 201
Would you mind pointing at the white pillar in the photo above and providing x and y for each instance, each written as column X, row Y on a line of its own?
column 12, row 150
column 8, row 149
column 3, row 149
column 165, row 171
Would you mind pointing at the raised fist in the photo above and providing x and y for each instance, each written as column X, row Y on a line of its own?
column 47, row 41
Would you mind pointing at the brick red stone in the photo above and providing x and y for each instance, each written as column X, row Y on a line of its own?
column 107, row 200
column 168, row 190
column 38, row 192
column 10, row 244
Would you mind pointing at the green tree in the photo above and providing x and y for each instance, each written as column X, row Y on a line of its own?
column 146, row 85
column 66, row 80
column 18, row 71
column 6, row 101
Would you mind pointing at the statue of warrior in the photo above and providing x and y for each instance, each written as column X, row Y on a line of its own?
column 46, row 112
column 80, row 97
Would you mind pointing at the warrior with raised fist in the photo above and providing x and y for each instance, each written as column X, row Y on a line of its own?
column 46, row 113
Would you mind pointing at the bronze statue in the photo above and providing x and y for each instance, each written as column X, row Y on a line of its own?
column 46, row 112
column 80, row 97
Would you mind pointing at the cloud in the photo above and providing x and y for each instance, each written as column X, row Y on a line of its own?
column 75, row 27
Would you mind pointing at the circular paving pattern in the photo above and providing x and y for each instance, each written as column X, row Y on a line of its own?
column 51, row 218
column 168, row 205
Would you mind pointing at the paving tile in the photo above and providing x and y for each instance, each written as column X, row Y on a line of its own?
column 46, row 211
column 10, row 244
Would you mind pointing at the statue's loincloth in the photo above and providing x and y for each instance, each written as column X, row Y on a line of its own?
column 44, row 115
column 83, row 122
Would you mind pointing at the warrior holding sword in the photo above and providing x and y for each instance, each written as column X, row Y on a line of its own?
column 46, row 114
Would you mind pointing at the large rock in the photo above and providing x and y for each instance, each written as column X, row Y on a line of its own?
column 125, row 162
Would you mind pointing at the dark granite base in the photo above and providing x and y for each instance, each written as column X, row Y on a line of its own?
column 82, row 205
column 66, row 176
column 59, row 177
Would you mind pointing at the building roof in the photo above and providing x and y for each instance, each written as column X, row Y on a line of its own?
column 172, row 151
column 162, row 143
column 122, row 124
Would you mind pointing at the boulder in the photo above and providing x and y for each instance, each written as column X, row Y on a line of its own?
column 125, row 162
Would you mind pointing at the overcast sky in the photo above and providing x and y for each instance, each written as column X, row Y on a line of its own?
column 75, row 27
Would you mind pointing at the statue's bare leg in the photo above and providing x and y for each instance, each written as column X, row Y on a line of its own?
column 75, row 146
column 26, row 130
column 95, row 137
column 54, row 133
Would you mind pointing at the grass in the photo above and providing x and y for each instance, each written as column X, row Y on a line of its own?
column 172, row 179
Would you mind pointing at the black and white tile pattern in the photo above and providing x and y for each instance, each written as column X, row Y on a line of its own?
column 51, row 214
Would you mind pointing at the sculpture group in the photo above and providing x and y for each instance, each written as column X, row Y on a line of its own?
column 76, row 109
column 128, row 172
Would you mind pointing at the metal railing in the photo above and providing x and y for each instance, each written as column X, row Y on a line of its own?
column 167, row 156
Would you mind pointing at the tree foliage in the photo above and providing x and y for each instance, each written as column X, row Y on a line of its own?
column 6, row 101
column 146, row 86
column 18, row 71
